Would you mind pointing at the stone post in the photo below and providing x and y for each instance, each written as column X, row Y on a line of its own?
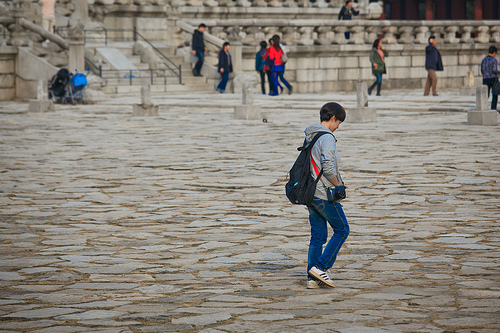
column 42, row 102
column 17, row 31
column 146, row 108
column 362, row 113
column 76, row 49
column 482, row 115
column 468, row 89
column 81, row 13
column 247, row 111
column 236, row 49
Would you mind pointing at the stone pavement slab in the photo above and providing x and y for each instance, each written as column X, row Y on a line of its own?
column 179, row 223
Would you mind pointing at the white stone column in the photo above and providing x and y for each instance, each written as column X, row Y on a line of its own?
column 483, row 35
column 389, row 37
column 76, row 49
column 482, row 115
column 422, row 35
column 406, row 35
column 466, row 34
column 81, row 13
column 451, row 35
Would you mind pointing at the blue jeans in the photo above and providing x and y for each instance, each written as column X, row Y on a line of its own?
column 281, row 77
column 223, row 83
column 276, row 84
column 199, row 63
column 320, row 213
column 378, row 83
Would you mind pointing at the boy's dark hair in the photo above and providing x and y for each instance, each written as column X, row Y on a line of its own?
column 375, row 43
column 492, row 49
column 225, row 44
column 263, row 44
column 330, row 110
column 431, row 37
column 202, row 25
column 348, row 2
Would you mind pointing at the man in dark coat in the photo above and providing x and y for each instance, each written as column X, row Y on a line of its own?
column 346, row 13
column 199, row 48
column 225, row 66
column 433, row 63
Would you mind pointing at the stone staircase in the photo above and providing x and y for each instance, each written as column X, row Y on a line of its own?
column 117, row 81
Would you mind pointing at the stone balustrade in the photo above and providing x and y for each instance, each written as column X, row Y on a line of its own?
column 225, row 3
column 327, row 32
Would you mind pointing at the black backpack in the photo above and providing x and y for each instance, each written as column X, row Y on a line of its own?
column 301, row 186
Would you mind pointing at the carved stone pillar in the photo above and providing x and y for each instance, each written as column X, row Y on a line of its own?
column 437, row 31
column 483, row 35
column 320, row 4
column 288, row 34
column 451, row 35
column 422, row 35
column 304, row 3
column 225, row 3
column 372, row 33
column 306, row 36
column 357, row 35
column 236, row 49
column 325, row 35
column 259, row 3
column 274, row 3
column 389, row 35
column 243, row 3
column 339, row 37
column 406, row 35
column 495, row 34
column 17, row 32
column 81, row 13
column 466, row 34
column 290, row 3
column 76, row 49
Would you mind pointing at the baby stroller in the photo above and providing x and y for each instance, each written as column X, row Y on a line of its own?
column 76, row 86
column 57, row 86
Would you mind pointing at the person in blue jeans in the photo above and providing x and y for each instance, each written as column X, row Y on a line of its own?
column 489, row 70
column 225, row 66
column 199, row 49
column 323, row 213
column 377, row 59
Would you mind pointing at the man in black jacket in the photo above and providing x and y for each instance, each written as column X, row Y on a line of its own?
column 225, row 66
column 433, row 63
column 199, row 48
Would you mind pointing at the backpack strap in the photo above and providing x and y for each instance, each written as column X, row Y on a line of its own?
column 310, row 146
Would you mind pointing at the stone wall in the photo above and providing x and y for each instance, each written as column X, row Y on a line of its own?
column 316, row 69
column 7, row 72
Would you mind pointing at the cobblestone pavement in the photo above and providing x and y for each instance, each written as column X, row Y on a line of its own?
column 114, row 223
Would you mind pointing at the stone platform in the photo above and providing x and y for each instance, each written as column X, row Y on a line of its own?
column 179, row 222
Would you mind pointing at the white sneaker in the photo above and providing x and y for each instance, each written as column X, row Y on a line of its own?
column 313, row 284
column 321, row 276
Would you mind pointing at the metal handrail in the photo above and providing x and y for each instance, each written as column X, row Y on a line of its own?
column 179, row 74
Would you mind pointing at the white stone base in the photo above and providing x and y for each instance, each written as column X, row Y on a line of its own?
column 247, row 112
column 145, row 110
column 362, row 115
column 482, row 117
column 37, row 106
column 467, row 91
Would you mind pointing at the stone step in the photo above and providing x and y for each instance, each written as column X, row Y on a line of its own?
column 164, row 88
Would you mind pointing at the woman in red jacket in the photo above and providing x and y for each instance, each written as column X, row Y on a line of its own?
column 275, row 53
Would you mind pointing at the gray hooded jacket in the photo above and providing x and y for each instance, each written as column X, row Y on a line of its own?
column 326, row 156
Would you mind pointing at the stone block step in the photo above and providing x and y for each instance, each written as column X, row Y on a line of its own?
column 160, row 88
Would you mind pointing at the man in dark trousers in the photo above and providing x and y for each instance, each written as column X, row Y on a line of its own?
column 346, row 13
column 225, row 66
column 433, row 63
column 199, row 48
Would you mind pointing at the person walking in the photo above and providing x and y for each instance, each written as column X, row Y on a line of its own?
column 322, row 212
column 433, row 63
column 275, row 53
column 489, row 69
column 199, row 49
column 269, row 67
column 48, row 14
column 281, row 74
column 346, row 13
column 377, row 59
column 259, row 65
column 225, row 66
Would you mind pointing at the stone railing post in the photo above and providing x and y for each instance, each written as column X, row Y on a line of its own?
column 357, row 35
column 406, row 35
column 81, row 13
column 76, row 49
column 451, row 35
column 306, row 36
column 339, row 37
column 236, row 49
column 466, row 34
column 17, row 32
column 389, row 37
column 495, row 34
column 372, row 33
column 288, row 34
column 483, row 36
column 422, row 35
column 325, row 35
